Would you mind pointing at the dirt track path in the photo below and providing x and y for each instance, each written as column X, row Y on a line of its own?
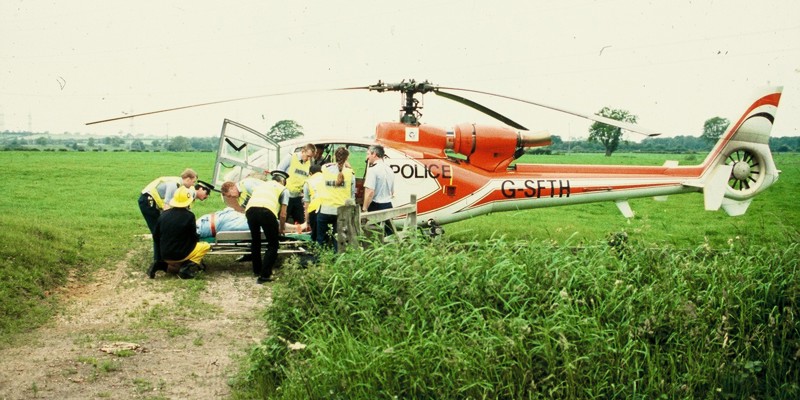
column 124, row 336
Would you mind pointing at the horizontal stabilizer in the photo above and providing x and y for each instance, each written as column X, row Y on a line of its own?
column 668, row 164
column 735, row 208
column 714, row 190
column 624, row 208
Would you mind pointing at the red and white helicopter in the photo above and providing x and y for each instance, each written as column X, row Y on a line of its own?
column 466, row 170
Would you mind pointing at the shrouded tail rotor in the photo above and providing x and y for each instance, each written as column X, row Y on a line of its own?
column 747, row 173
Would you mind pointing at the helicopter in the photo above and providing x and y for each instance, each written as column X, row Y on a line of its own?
column 468, row 170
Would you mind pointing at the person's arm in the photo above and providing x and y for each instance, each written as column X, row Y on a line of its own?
column 284, row 165
column 190, row 228
column 168, row 195
column 282, row 220
column 369, row 188
column 284, row 202
column 306, row 200
column 368, row 195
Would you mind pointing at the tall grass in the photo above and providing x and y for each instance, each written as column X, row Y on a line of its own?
column 510, row 319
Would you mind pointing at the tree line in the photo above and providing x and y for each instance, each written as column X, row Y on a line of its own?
column 33, row 141
column 602, row 138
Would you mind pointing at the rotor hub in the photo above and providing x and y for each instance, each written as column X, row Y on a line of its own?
column 741, row 170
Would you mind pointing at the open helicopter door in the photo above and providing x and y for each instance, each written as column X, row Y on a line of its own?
column 243, row 152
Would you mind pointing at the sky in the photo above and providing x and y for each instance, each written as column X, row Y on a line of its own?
column 673, row 63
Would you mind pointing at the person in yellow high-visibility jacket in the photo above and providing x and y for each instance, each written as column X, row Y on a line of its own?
column 236, row 194
column 297, row 167
column 155, row 197
column 338, row 184
column 266, row 211
column 310, row 198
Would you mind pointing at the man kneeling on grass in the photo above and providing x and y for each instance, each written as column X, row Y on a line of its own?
column 175, row 238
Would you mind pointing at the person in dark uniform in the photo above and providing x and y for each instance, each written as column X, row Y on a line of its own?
column 176, row 240
column 266, row 211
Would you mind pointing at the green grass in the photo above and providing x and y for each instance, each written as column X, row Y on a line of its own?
column 69, row 213
column 537, row 304
column 518, row 319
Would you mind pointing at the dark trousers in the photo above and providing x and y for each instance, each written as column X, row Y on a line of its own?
column 312, row 225
column 326, row 230
column 150, row 213
column 387, row 227
column 258, row 219
column 295, row 210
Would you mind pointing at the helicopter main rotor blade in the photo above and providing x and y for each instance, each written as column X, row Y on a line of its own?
column 224, row 101
column 483, row 109
column 596, row 118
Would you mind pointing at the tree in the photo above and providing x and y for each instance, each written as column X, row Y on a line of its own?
column 113, row 141
column 284, row 130
column 137, row 145
column 204, row 144
column 178, row 143
column 714, row 128
column 608, row 135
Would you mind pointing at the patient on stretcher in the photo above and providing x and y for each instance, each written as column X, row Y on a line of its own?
column 229, row 219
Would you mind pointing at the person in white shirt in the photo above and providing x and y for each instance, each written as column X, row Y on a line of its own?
column 378, row 184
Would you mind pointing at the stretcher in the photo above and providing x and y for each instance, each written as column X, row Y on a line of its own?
column 227, row 233
column 238, row 243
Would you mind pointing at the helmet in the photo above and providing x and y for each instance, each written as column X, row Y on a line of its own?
column 183, row 198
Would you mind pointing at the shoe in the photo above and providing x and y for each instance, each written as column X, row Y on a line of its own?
column 262, row 280
column 157, row 266
column 188, row 270
column 245, row 258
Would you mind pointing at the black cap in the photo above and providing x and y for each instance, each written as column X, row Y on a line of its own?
column 280, row 173
column 205, row 185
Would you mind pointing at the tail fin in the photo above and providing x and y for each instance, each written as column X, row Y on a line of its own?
column 740, row 165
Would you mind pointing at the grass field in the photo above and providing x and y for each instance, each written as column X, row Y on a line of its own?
column 68, row 213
